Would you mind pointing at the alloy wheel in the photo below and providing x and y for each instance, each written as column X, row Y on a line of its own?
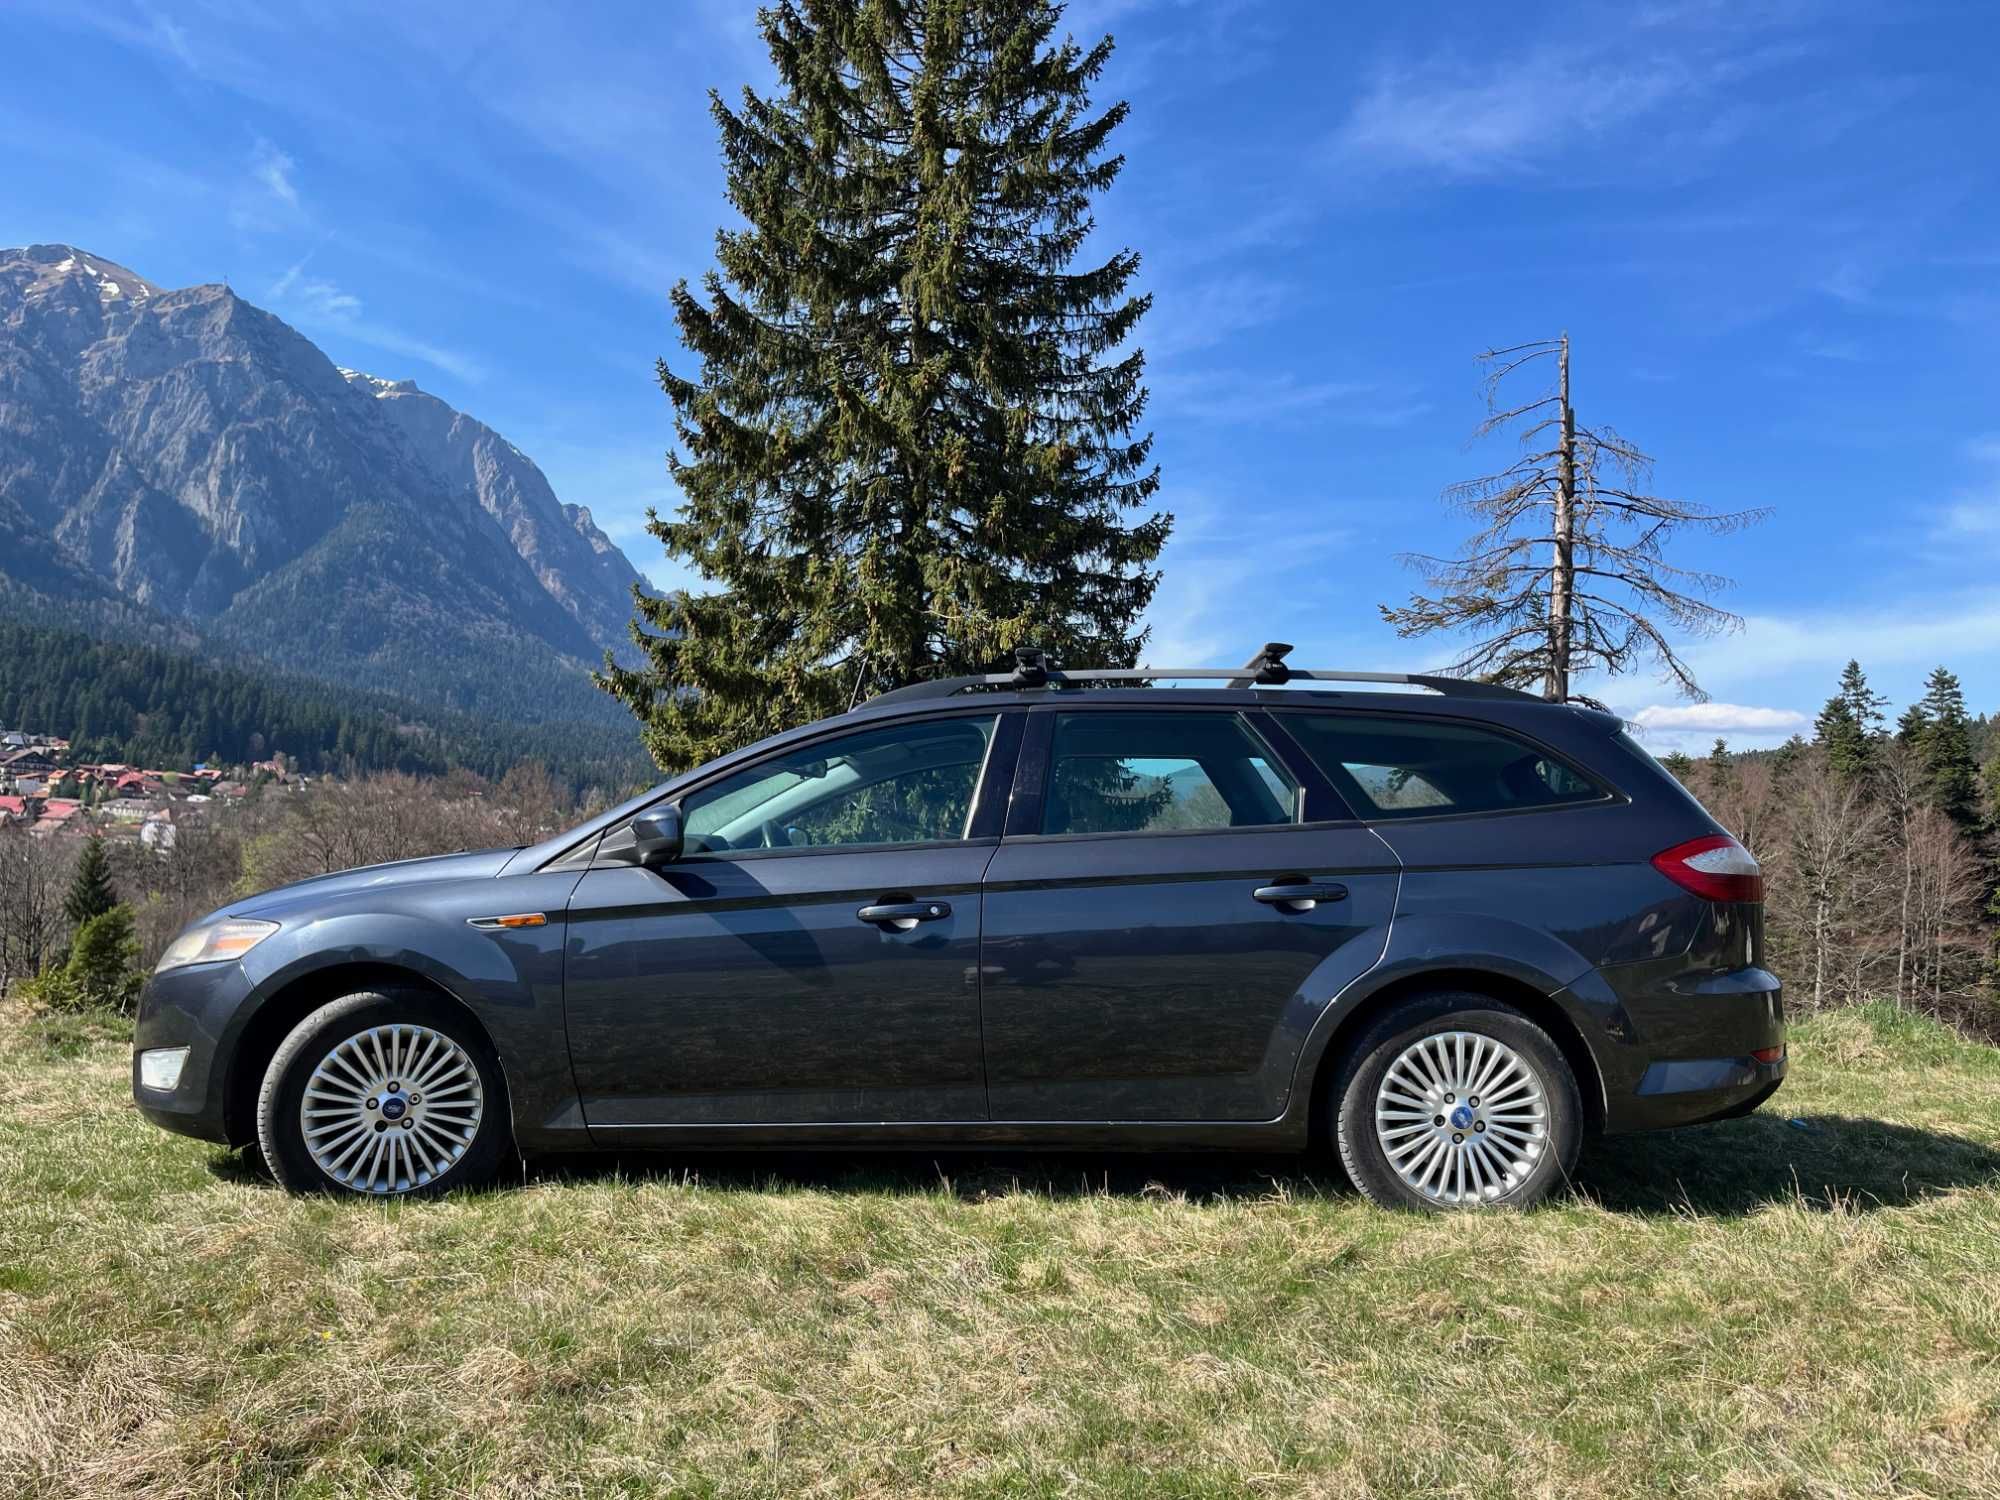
column 1462, row 1118
column 391, row 1109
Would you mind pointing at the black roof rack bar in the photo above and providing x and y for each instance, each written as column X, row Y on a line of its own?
column 1270, row 673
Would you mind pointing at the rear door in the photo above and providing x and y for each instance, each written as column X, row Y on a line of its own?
column 812, row 957
column 1162, row 922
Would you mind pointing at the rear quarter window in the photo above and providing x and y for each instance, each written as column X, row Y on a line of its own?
column 1412, row 768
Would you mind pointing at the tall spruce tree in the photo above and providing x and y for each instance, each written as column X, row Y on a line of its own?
column 1721, row 767
column 909, row 448
column 1951, row 775
column 1788, row 757
column 90, row 893
column 1850, row 724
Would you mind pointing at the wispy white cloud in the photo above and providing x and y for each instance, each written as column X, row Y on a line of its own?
column 1249, row 398
column 1501, row 115
column 267, row 198
column 1918, row 631
column 1837, row 350
column 1518, row 110
column 273, row 168
column 169, row 36
column 1201, row 312
column 1971, row 519
column 318, row 304
column 1221, row 582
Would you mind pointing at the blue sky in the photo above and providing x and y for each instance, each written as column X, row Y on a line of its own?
column 1772, row 231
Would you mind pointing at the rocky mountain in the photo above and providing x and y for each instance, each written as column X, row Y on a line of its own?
column 578, row 564
column 191, row 453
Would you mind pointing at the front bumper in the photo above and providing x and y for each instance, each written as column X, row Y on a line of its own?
column 197, row 1007
column 1676, row 1047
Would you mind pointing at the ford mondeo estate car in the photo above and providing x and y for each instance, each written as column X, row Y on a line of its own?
column 1448, row 935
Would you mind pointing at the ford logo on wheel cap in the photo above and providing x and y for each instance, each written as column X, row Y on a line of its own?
column 1461, row 1118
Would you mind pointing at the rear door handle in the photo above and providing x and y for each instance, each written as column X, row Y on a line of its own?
column 1300, row 895
column 903, row 915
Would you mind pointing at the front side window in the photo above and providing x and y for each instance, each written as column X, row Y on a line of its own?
column 1406, row 768
column 902, row 784
column 1152, row 772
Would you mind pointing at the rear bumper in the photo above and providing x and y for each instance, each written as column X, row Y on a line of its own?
column 1675, row 1047
column 1692, row 1092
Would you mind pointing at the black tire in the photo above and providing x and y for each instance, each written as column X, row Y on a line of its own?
column 458, row 1159
column 1549, row 1158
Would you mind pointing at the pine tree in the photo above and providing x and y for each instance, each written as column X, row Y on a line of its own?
column 104, row 960
column 1721, row 767
column 1787, row 757
column 1680, row 763
column 1849, row 725
column 909, row 449
column 90, row 890
column 1951, row 775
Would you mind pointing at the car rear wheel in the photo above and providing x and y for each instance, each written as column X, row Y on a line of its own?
column 384, row 1095
column 1456, row 1101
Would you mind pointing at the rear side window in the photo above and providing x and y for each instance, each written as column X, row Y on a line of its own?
column 1147, row 772
column 1413, row 768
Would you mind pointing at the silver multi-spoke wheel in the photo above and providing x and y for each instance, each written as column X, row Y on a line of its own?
column 391, row 1109
column 1462, row 1118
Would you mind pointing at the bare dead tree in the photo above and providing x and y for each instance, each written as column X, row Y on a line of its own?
column 34, row 873
column 1831, row 883
column 1568, row 571
column 1947, row 891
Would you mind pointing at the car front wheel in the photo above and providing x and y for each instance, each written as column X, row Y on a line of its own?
column 382, row 1095
column 1457, row 1101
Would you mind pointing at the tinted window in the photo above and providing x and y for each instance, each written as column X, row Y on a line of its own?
column 1412, row 767
column 906, row 784
column 1140, row 772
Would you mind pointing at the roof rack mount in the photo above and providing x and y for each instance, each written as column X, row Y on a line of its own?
column 1267, row 668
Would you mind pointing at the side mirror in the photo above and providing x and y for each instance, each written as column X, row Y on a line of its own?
column 656, row 836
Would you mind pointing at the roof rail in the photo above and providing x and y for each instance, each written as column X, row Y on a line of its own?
column 1267, row 668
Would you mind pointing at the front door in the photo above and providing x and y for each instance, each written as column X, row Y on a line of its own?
column 1162, row 927
column 811, row 958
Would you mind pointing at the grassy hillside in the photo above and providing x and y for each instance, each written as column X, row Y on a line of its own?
column 1762, row 1308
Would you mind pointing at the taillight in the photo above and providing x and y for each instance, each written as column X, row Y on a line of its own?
column 1715, row 867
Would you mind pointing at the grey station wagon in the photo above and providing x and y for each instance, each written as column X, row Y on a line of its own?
column 1449, row 935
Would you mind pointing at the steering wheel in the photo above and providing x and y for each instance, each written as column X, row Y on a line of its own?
column 771, row 834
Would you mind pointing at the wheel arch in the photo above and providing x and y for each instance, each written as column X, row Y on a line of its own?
column 1538, row 1006
column 275, row 1019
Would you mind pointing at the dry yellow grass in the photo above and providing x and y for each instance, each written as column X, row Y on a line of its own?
column 1753, row 1309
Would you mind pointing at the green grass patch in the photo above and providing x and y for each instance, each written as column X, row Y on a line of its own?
column 1805, row 1302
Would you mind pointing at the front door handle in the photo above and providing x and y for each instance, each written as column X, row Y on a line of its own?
column 1299, row 895
column 903, row 915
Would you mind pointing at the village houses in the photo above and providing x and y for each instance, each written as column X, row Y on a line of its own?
column 43, row 791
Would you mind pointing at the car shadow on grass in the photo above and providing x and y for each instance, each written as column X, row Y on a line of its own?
column 1851, row 1163
column 1827, row 1162
column 1727, row 1169
column 972, row 1176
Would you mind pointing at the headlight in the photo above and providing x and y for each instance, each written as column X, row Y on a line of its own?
column 219, row 940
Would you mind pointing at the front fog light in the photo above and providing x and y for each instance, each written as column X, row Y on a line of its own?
column 160, row 1068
